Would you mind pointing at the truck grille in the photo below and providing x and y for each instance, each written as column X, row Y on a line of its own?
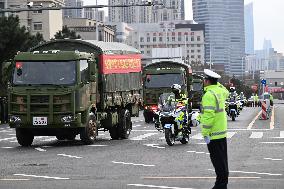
column 41, row 104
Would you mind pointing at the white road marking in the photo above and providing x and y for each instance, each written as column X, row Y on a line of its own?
column 13, row 141
column 155, row 146
column 197, row 152
column 12, row 134
column 253, row 121
column 14, row 179
column 101, row 134
column 246, row 172
column 97, row 145
column 197, row 136
column 273, row 159
column 230, row 134
column 7, row 147
column 4, row 139
column 141, row 137
column 5, row 131
column 162, row 138
column 65, row 155
column 136, row 126
column 256, row 135
column 144, row 130
column 49, row 139
column 40, row 149
column 272, row 142
column 137, row 164
column 37, row 176
column 281, row 135
column 154, row 186
column 201, row 143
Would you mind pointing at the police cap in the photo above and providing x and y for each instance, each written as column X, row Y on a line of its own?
column 210, row 74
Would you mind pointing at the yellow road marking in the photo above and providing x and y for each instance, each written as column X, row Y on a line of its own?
column 252, row 122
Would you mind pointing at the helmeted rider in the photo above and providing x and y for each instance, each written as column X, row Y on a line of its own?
column 233, row 96
column 181, row 99
column 241, row 96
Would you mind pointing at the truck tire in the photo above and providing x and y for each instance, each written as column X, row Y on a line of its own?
column 114, row 133
column 125, row 124
column 148, row 118
column 24, row 137
column 89, row 132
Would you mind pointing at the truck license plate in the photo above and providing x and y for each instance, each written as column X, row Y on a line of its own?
column 39, row 120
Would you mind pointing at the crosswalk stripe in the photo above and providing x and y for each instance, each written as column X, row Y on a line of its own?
column 197, row 136
column 230, row 134
column 256, row 135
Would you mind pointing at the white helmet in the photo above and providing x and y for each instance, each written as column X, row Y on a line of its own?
column 194, row 119
column 176, row 87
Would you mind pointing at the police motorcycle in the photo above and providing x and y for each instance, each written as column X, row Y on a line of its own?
column 168, row 111
column 232, row 108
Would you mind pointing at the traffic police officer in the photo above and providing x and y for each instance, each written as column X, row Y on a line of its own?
column 213, row 120
column 182, row 99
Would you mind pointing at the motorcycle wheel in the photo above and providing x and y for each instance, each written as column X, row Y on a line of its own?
column 170, row 138
column 183, row 141
column 233, row 116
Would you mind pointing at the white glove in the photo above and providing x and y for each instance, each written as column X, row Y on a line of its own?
column 207, row 139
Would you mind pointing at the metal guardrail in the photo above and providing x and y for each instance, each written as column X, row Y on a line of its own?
column 3, row 110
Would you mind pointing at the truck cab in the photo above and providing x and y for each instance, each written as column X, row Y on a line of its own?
column 158, row 79
column 78, row 88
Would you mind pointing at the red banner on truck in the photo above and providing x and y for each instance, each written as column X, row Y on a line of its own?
column 120, row 63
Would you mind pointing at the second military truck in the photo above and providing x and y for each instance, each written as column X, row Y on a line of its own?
column 158, row 78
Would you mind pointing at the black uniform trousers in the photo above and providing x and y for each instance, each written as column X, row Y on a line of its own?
column 219, row 158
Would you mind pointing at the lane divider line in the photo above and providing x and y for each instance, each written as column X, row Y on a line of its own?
column 65, row 155
column 272, row 120
column 46, row 177
column 253, row 121
column 155, row 186
column 137, row 164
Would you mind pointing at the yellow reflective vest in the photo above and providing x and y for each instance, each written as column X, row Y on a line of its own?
column 213, row 118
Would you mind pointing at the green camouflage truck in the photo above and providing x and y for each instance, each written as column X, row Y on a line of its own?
column 67, row 87
column 197, row 91
column 158, row 78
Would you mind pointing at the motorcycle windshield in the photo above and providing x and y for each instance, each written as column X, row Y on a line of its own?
column 167, row 102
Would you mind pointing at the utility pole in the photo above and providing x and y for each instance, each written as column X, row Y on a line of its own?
column 97, row 25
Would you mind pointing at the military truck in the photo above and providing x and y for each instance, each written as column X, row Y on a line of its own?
column 197, row 91
column 158, row 78
column 67, row 87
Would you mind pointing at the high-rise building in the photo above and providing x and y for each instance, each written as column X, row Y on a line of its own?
column 135, row 14
column 249, row 28
column 170, row 11
column 224, row 32
column 73, row 13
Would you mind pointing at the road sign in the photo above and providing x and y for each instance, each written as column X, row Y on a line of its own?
column 263, row 82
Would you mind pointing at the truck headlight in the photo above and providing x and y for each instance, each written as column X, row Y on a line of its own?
column 15, row 119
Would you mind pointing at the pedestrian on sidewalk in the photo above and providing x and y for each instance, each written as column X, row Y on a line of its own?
column 213, row 122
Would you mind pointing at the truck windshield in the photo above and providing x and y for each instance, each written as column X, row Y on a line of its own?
column 163, row 80
column 45, row 73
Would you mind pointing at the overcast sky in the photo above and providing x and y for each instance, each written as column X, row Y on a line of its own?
column 268, row 20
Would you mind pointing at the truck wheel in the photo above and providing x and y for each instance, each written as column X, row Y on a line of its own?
column 89, row 132
column 148, row 118
column 114, row 133
column 24, row 137
column 125, row 124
